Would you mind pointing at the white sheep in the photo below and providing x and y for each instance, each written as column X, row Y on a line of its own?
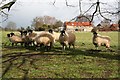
column 67, row 38
column 45, row 39
column 99, row 40
column 33, row 34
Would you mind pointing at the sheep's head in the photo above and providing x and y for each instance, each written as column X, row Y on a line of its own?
column 51, row 31
column 12, row 34
column 25, row 33
column 95, row 33
column 94, row 30
column 30, row 31
column 62, row 32
column 8, row 35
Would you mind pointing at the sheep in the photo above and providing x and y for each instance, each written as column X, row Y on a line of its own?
column 67, row 38
column 15, row 39
column 45, row 39
column 28, row 41
column 40, row 38
column 55, row 35
column 99, row 40
column 33, row 34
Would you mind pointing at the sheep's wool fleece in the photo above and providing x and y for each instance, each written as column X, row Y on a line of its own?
column 15, row 39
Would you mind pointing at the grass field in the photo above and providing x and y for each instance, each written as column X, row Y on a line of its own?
column 81, row 62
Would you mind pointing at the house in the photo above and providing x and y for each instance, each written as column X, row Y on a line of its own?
column 114, row 27
column 78, row 26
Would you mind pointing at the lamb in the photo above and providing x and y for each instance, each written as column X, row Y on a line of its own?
column 67, row 38
column 99, row 40
column 15, row 39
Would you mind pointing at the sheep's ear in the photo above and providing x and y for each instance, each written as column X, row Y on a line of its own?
column 50, row 31
column 30, row 31
column 25, row 32
column 12, row 34
column 63, row 31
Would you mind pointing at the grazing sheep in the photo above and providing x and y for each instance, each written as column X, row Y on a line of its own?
column 99, row 40
column 15, row 39
column 45, row 39
column 67, row 38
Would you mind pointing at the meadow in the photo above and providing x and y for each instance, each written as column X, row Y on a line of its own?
column 82, row 62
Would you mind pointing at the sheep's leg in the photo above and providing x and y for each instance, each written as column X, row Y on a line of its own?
column 51, row 45
column 15, row 44
column 12, row 44
column 33, row 43
column 96, row 46
column 21, row 44
column 25, row 44
column 69, row 45
column 107, row 46
column 36, row 46
column 47, row 47
column 73, row 46
column 63, row 46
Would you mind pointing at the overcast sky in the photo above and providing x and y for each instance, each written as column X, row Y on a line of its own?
column 23, row 11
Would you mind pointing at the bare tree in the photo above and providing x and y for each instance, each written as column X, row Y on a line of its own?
column 5, row 6
column 96, row 11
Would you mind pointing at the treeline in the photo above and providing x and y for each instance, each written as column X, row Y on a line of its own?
column 38, row 23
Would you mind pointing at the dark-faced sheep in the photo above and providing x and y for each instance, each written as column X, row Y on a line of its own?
column 99, row 40
column 26, row 39
column 14, row 39
column 67, row 38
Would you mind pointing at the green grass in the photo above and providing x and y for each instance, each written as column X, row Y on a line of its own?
column 20, row 62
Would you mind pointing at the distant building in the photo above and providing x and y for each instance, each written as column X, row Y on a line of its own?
column 114, row 27
column 111, row 27
column 78, row 26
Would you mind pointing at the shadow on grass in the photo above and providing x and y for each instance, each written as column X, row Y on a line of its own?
column 58, row 51
column 32, row 54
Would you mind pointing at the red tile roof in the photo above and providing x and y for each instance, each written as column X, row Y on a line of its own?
column 115, row 25
column 78, row 24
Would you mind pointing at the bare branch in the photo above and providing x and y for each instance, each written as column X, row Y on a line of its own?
column 54, row 2
column 89, row 8
column 8, row 5
column 95, row 12
column 102, row 15
column 113, row 13
column 68, row 4
column 80, row 7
